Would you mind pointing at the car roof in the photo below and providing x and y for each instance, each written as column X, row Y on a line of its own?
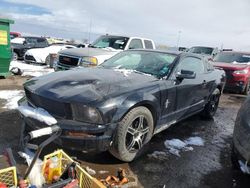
column 33, row 37
column 236, row 52
column 177, row 53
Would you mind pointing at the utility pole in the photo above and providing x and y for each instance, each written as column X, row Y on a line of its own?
column 179, row 37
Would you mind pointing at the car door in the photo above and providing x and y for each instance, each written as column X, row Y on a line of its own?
column 190, row 92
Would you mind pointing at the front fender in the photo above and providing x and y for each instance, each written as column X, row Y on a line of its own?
column 150, row 101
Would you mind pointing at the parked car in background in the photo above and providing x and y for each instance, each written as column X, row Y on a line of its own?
column 41, row 55
column 182, row 49
column 102, row 49
column 208, row 52
column 14, row 35
column 119, row 105
column 241, row 138
column 20, row 45
column 237, row 68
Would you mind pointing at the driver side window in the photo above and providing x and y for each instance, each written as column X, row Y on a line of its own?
column 191, row 64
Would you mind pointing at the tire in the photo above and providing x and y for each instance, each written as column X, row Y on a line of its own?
column 247, row 89
column 212, row 105
column 132, row 133
column 47, row 62
column 234, row 160
column 14, row 56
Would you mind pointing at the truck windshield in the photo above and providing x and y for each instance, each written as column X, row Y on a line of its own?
column 201, row 50
column 114, row 42
column 229, row 57
column 154, row 63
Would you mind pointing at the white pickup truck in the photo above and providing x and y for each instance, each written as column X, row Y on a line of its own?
column 102, row 49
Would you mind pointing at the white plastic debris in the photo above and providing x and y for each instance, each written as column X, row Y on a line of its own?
column 174, row 146
column 103, row 172
column 38, row 114
column 175, row 143
column 195, row 141
column 90, row 171
column 12, row 97
column 35, row 176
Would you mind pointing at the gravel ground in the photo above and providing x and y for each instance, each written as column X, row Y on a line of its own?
column 205, row 166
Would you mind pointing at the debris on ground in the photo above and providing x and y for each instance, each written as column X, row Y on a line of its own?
column 118, row 180
column 195, row 141
column 90, row 171
column 11, row 96
column 174, row 146
column 103, row 171
column 30, row 69
column 161, row 155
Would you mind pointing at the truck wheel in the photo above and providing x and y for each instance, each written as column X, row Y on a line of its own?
column 212, row 105
column 132, row 133
column 247, row 89
column 47, row 60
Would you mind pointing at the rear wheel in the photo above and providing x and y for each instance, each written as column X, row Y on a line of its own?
column 133, row 132
column 212, row 105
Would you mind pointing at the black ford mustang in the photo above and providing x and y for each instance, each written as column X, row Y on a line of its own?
column 121, row 104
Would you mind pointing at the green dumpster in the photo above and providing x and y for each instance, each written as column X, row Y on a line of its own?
column 5, row 50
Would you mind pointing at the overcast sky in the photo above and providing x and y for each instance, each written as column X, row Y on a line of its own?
column 198, row 22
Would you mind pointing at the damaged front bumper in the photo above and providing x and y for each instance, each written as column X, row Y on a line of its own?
column 76, row 135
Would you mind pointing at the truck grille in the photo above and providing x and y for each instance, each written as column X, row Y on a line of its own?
column 29, row 58
column 56, row 108
column 69, row 61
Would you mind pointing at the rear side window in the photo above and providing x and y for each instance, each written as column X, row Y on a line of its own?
column 148, row 44
column 41, row 40
column 191, row 64
column 135, row 44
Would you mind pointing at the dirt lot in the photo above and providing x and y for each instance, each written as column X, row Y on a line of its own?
column 205, row 166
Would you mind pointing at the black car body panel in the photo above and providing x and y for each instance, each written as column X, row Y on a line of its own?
column 241, row 135
column 113, row 93
column 29, row 43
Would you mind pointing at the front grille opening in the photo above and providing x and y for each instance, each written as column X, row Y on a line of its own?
column 70, row 61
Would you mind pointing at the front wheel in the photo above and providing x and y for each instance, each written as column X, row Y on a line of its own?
column 132, row 133
column 212, row 105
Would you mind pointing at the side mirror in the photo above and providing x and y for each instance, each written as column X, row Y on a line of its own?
column 185, row 74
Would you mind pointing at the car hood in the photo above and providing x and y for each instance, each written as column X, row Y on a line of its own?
column 40, row 54
column 230, row 66
column 81, row 52
column 87, row 84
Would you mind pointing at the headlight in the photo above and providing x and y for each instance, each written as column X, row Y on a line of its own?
column 244, row 71
column 89, row 61
column 86, row 114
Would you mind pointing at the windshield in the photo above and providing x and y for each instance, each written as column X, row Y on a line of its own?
column 154, row 63
column 114, row 42
column 201, row 50
column 232, row 57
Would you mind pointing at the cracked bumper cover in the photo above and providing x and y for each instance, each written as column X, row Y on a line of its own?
column 76, row 135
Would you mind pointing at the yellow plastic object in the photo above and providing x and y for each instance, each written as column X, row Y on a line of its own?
column 85, row 180
column 8, row 176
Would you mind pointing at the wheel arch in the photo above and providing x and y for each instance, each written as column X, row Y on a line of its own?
column 145, row 103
